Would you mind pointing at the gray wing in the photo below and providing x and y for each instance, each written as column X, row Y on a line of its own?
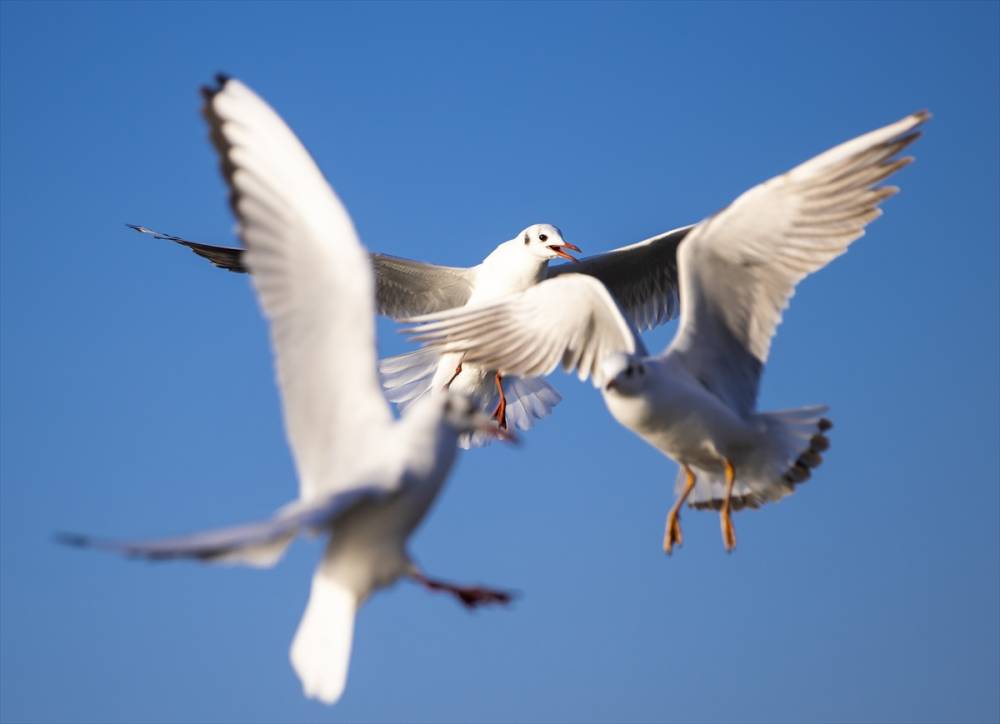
column 642, row 277
column 403, row 287
column 259, row 544
column 407, row 288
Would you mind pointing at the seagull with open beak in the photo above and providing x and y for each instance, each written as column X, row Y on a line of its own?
column 512, row 267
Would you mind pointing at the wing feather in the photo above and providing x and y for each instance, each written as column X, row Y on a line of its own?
column 739, row 268
column 642, row 277
column 403, row 287
column 570, row 320
column 315, row 285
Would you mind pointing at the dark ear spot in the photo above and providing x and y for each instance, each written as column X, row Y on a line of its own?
column 527, row 239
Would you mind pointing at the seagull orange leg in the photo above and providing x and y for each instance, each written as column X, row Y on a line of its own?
column 501, row 412
column 469, row 596
column 672, row 535
column 725, row 514
column 458, row 371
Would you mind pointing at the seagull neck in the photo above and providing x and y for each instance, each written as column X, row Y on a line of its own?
column 509, row 269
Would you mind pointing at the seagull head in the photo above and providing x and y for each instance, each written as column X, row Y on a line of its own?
column 545, row 241
column 624, row 374
column 463, row 414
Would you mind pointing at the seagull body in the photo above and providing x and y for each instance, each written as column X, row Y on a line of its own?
column 642, row 276
column 696, row 401
column 366, row 480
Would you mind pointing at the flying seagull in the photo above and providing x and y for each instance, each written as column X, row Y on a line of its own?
column 697, row 401
column 365, row 480
column 642, row 276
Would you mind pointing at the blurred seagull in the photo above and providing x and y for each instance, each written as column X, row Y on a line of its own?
column 642, row 276
column 365, row 480
column 696, row 402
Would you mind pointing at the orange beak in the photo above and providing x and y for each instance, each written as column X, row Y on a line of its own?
column 558, row 250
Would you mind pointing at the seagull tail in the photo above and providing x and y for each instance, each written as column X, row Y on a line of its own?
column 528, row 400
column 321, row 649
column 408, row 377
column 794, row 441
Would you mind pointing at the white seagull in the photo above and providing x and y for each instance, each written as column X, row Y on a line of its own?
column 696, row 401
column 642, row 276
column 365, row 480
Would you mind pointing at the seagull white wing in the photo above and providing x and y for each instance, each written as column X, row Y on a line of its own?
column 739, row 268
column 314, row 282
column 570, row 320
column 403, row 287
column 258, row 544
column 642, row 277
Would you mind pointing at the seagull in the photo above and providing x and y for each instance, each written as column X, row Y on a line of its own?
column 642, row 276
column 696, row 402
column 366, row 480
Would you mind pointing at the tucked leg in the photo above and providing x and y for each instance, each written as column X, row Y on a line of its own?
column 458, row 371
column 501, row 412
column 470, row 596
column 672, row 534
column 725, row 514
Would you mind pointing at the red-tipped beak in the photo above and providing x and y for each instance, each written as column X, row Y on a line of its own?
column 558, row 250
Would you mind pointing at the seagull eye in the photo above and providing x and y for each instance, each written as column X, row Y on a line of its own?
column 543, row 237
column 628, row 371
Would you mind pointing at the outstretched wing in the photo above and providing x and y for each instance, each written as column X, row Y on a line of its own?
column 314, row 282
column 571, row 319
column 739, row 268
column 403, row 287
column 642, row 277
column 258, row 544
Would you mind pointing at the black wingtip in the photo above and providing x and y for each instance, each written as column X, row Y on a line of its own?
column 71, row 539
column 207, row 91
column 136, row 227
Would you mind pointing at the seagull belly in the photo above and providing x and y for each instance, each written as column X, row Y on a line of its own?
column 685, row 423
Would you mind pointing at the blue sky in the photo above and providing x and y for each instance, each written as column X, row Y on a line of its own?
column 137, row 392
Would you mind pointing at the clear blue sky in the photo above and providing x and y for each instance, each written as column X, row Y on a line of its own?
column 137, row 393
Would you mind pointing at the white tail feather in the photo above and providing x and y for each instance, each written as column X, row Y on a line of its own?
column 792, row 441
column 321, row 649
column 407, row 377
column 527, row 400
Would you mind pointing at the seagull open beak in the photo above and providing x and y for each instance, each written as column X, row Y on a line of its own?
column 557, row 249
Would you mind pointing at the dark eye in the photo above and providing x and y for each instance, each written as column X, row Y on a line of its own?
column 628, row 371
column 527, row 239
column 543, row 237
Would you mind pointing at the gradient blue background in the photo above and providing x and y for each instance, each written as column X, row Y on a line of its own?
column 138, row 397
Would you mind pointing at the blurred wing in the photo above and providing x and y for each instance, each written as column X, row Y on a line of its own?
column 641, row 277
column 739, row 268
column 315, row 285
column 256, row 544
column 403, row 287
column 570, row 320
